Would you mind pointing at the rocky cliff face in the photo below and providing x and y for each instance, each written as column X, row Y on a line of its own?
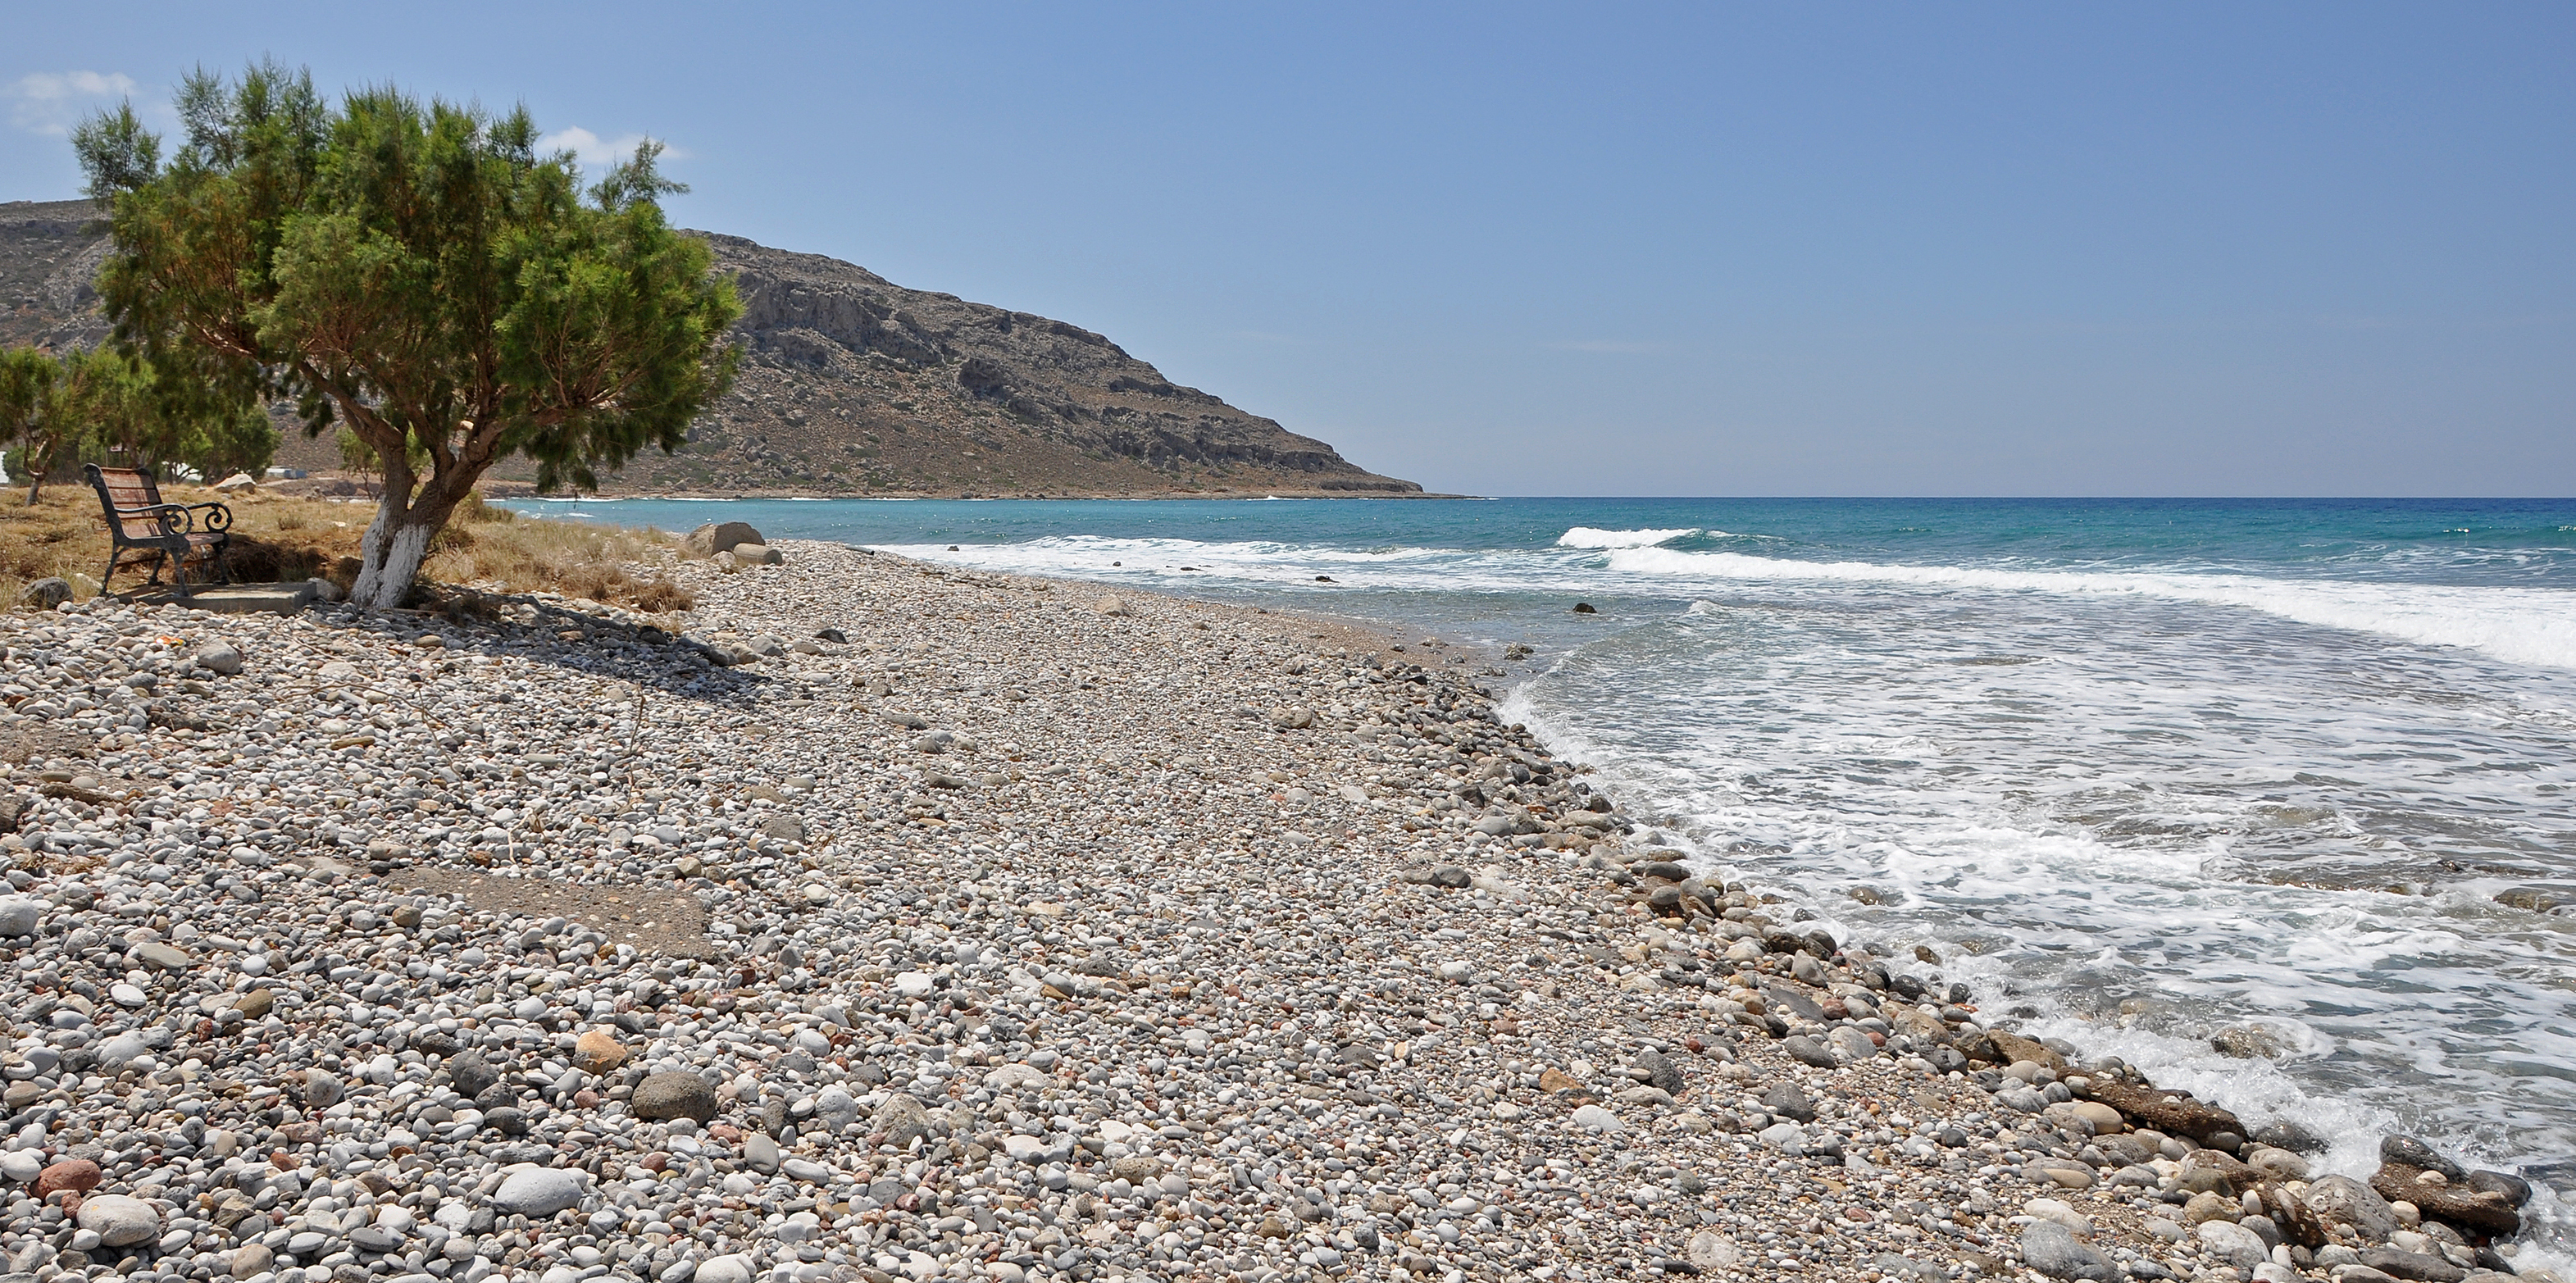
column 49, row 253
column 850, row 385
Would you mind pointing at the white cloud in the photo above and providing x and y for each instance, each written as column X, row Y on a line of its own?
column 595, row 152
column 51, row 102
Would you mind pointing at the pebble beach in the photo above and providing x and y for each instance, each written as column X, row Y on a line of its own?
column 875, row 920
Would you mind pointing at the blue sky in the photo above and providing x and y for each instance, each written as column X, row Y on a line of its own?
column 1703, row 249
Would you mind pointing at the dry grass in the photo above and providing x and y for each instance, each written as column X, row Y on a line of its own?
column 278, row 538
column 495, row 547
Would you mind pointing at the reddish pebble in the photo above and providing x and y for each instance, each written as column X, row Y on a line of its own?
column 656, row 1163
column 726, row 1132
column 73, row 1174
column 1856, row 1213
column 283, row 1161
column 585, row 1099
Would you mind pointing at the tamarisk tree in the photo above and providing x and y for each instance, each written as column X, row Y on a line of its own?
column 417, row 273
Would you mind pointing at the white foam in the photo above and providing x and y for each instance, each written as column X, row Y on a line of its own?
column 2535, row 626
column 1587, row 537
column 2520, row 625
column 2102, row 820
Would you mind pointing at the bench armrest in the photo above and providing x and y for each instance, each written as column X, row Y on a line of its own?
column 218, row 516
column 173, row 517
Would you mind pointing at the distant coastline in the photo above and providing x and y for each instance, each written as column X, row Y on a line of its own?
column 517, row 490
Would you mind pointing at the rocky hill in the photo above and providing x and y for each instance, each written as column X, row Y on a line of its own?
column 850, row 385
column 49, row 252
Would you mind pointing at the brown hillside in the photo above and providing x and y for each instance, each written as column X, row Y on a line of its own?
column 850, row 385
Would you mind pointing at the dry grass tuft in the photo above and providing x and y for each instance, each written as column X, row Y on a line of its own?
column 277, row 538
column 495, row 547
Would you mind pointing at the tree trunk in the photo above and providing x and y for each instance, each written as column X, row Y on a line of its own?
column 397, row 541
column 389, row 558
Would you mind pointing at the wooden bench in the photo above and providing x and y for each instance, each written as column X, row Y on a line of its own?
column 171, row 534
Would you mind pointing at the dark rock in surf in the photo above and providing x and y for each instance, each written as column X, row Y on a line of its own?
column 2513, row 1189
column 2290, row 1136
column 2172, row 1112
column 2410, row 1152
column 2438, row 1198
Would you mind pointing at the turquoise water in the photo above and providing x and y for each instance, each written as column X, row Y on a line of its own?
column 2140, row 771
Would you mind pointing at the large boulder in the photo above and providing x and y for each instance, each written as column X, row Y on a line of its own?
column 2412, row 1152
column 2486, row 1211
column 119, row 1221
column 2422, row 1267
column 2298, row 1222
column 2011, row 1048
column 674, row 1094
column 901, row 1118
column 2053, row 1251
column 2345, row 1201
column 2232, row 1243
column 539, row 1192
column 19, row 915
column 2172, row 1111
column 2209, row 1169
column 45, row 594
column 715, row 537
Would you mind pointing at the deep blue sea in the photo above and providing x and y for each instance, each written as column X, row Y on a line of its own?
column 2142, row 771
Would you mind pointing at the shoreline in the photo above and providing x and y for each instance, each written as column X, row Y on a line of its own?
column 1050, row 931
column 525, row 492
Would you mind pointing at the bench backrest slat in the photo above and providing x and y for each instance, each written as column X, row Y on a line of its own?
column 132, row 488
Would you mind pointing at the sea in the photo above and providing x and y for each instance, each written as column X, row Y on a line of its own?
column 2273, row 798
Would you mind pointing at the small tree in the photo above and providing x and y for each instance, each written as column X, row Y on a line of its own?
column 26, row 412
column 242, row 439
column 101, row 405
column 104, row 411
column 418, row 273
column 71, row 407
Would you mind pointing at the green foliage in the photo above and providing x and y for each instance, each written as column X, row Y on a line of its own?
column 108, row 401
column 26, row 399
column 117, row 152
column 102, row 406
column 419, row 274
column 243, row 440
